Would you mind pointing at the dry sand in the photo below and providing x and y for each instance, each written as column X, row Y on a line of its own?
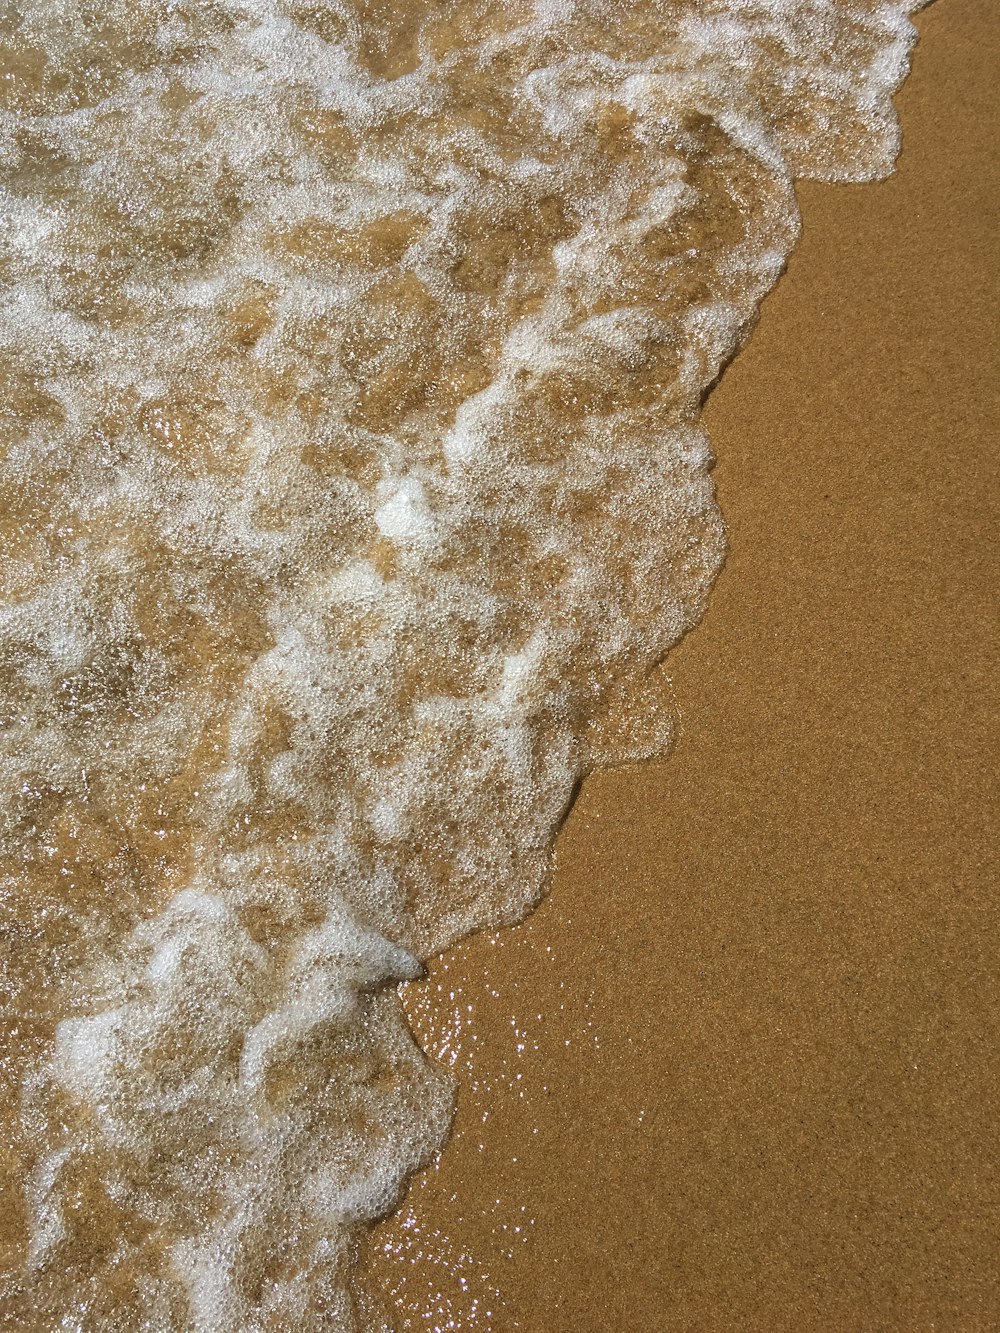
column 759, row 1013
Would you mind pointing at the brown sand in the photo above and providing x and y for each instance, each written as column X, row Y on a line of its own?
column 761, row 1088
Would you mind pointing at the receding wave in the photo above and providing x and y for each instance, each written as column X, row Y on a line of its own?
column 351, row 360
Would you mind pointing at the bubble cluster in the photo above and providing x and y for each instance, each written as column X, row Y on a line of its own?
column 351, row 359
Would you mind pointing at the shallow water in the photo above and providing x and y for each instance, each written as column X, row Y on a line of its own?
column 352, row 483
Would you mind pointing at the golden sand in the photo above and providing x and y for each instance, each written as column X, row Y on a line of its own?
column 762, row 1089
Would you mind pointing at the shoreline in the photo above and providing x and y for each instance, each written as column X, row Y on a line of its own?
column 749, row 1077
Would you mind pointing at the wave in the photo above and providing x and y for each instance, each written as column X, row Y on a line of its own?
column 352, row 362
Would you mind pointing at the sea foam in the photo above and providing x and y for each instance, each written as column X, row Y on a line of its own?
column 352, row 355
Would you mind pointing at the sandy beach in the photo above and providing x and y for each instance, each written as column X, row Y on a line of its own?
column 740, row 1070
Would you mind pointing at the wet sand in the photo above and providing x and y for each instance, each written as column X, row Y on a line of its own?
column 757, row 1081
